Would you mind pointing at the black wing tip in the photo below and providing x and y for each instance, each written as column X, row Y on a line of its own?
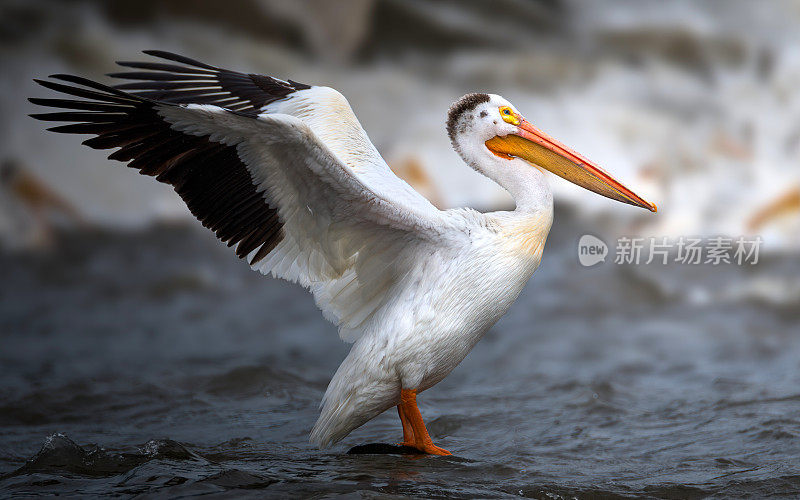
column 171, row 56
column 124, row 75
column 59, row 76
column 79, row 80
column 48, row 84
column 298, row 85
column 65, row 129
column 124, row 64
column 75, row 80
column 164, row 54
column 46, row 117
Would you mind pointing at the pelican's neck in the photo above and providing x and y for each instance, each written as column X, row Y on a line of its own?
column 526, row 184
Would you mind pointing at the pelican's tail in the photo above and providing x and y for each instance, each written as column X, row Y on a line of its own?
column 335, row 422
column 357, row 393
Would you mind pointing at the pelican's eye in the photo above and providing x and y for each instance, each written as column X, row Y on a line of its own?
column 508, row 115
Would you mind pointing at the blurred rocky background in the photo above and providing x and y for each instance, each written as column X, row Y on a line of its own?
column 694, row 104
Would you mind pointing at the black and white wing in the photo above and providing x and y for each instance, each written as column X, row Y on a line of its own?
column 267, row 185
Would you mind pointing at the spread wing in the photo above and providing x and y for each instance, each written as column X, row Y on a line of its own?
column 326, row 112
column 266, row 185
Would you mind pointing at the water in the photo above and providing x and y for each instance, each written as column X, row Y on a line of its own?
column 154, row 363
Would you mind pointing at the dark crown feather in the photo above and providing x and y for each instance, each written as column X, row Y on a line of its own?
column 461, row 106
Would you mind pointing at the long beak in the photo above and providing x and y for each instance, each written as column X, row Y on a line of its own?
column 534, row 146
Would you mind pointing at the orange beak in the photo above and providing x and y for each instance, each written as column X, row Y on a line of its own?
column 536, row 147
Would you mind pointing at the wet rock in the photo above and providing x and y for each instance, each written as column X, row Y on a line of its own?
column 383, row 449
column 59, row 454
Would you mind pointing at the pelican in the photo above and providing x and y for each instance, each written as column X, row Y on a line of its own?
column 284, row 173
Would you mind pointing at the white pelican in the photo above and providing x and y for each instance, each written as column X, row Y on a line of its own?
column 284, row 172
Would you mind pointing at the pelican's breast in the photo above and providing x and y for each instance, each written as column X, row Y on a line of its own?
column 524, row 236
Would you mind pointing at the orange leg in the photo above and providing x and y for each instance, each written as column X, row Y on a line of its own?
column 408, row 431
column 409, row 412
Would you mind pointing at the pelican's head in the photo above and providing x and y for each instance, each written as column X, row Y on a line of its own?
column 491, row 135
